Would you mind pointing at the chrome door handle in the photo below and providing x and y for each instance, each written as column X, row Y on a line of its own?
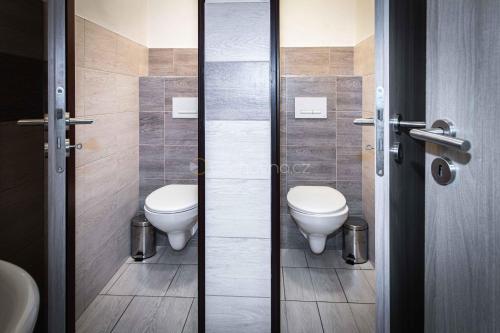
column 443, row 133
column 397, row 123
column 45, row 121
column 364, row 122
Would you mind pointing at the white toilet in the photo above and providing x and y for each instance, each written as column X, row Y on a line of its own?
column 173, row 209
column 318, row 211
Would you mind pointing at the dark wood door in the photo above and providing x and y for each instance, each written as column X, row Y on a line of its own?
column 23, row 91
column 407, row 54
column 462, row 220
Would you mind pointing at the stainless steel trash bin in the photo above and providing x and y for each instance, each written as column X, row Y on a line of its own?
column 143, row 242
column 355, row 245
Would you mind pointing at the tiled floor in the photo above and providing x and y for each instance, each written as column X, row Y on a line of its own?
column 321, row 293
column 156, row 295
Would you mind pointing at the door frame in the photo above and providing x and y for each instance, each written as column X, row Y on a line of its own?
column 56, row 174
column 382, row 183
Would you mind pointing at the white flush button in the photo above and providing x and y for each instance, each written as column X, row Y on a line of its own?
column 184, row 107
column 310, row 107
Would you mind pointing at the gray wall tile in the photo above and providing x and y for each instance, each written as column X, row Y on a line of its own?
column 311, row 132
column 313, row 86
column 237, row 32
column 180, row 131
column 151, row 90
column 152, row 161
column 151, row 128
column 237, row 91
column 179, row 87
column 349, row 92
column 179, row 162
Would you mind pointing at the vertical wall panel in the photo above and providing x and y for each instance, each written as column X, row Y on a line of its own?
column 237, row 154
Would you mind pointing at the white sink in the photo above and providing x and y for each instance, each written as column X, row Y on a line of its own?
column 19, row 299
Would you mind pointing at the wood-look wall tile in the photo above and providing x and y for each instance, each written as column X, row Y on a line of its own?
column 79, row 41
column 161, row 62
column 237, row 32
column 349, row 167
column 92, row 273
column 352, row 191
column 98, row 140
column 237, row 91
column 311, row 132
column 225, row 199
column 180, row 131
column 143, row 61
column 231, row 314
column 348, row 134
column 100, row 92
column 151, row 94
column 186, row 62
column 80, row 92
column 349, row 93
column 364, row 57
column 179, row 87
column 127, row 129
column 154, row 314
column 127, row 56
column 238, row 267
column 100, row 47
column 311, row 153
column 311, row 87
column 307, row 61
column 128, row 170
column 369, row 94
column 291, row 238
column 245, row 153
column 151, row 128
column 341, row 61
column 127, row 93
column 152, row 161
column 179, row 162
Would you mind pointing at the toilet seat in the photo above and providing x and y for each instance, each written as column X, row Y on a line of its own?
column 316, row 200
column 172, row 199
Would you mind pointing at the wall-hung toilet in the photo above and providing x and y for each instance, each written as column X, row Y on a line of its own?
column 318, row 211
column 173, row 209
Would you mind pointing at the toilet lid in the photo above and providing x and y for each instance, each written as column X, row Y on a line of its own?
column 316, row 199
column 172, row 199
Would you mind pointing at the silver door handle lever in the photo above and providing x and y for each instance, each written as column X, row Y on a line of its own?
column 364, row 122
column 443, row 133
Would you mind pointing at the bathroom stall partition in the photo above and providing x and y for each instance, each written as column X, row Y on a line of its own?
column 236, row 140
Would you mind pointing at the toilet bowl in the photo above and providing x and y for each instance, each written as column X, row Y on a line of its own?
column 173, row 209
column 318, row 212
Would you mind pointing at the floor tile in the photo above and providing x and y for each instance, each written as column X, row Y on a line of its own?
column 185, row 283
column 102, row 314
column 282, row 286
column 283, row 321
column 337, row 317
column 237, row 314
column 144, row 280
column 187, row 256
column 364, row 316
column 298, row 284
column 370, row 276
column 293, row 258
column 327, row 287
column 303, row 317
column 327, row 259
column 356, row 286
column 115, row 277
column 191, row 325
column 155, row 314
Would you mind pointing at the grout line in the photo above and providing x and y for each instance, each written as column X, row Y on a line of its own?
column 187, row 317
column 118, row 278
column 114, row 326
column 319, row 315
column 341, row 286
column 325, row 302
column 172, row 281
